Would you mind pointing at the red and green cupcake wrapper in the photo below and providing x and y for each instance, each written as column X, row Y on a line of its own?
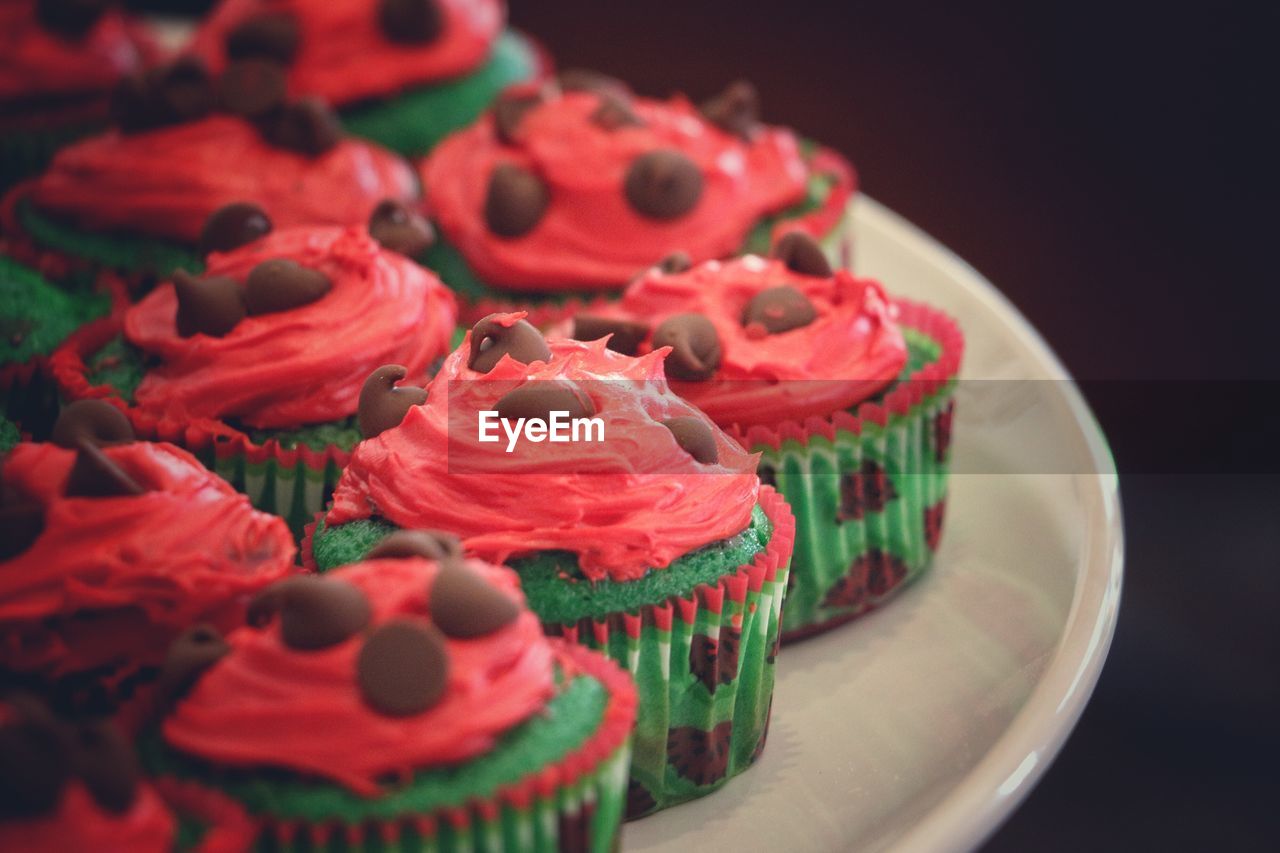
column 574, row 804
column 222, row 826
column 868, row 486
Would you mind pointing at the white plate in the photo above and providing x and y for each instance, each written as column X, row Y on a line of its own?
column 921, row 726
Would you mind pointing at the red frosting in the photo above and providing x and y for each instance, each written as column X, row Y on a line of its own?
column 190, row 549
column 35, row 62
column 589, row 237
column 305, row 365
column 79, row 823
column 166, row 182
column 849, row 352
column 267, row 704
column 343, row 54
column 624, row 505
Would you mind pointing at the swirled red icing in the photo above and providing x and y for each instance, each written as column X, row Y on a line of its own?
column 343, row 54
column 630, row 503
column 166, row 182
column 36, row 62
column 589, row 237
column 851, row 350
column 79, row 823
column 146, row 567
column 305, row 365
column 245, row 710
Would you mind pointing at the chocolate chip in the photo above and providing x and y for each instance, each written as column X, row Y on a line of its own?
column 400, row 228
column 695, row 437
column 802, row 254
column 509, row 110
column 207, row 306
column 21, row 524
column 267, row 35
column 252, row 88
column 627, row 334
column 232, row 226
column 382, row 404
column 96, row 475
column 307, row 126
column 106, row 763
column 539, row 398
column 586, row 80
column 464, row 605
column 779, row 309
column 663, row 184
column 676, row 262
column 695, row 346
column 403, row 668
column 410, row 21
column 134, row 106
column 194, row 651
column 431, row 544
column 185, row 89
column 280, row 284
column 96, row 420
column 33, row 768
column 70, row 18
column 736, row 110
column 314, row 612
column 515, row 200
column 491, row 340
column 614, row 113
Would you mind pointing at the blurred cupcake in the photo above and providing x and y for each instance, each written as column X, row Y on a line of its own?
column 134, row 201
column 110, row 549
column 571, row 189
column 257, row 366
column 654, row 544
column 404, row 73
column 408, row 702
column 847, row 395
column 59, row 60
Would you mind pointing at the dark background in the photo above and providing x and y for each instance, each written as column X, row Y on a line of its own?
column 1109, row 169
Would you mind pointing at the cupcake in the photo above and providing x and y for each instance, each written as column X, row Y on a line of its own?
column 135, row 201
column 75, row 785
column 402, row 72
column 408, row 702
column 845, row 393
column 111, row 548
column 653, row 543
column 257, row 367
column 59, row 60
column 572, row 189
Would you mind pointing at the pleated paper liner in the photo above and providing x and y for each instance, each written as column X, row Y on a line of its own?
column 574, row 804
column 868, row 487
column 292, row 482
column 207, row 822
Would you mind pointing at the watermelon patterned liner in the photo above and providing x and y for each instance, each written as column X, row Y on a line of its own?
column 575, row 804
column 868, row 487
column 293, row 483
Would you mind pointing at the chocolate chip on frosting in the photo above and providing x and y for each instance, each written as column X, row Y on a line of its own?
column 586, row 80
column 280, row 284
column 70, row 18
column 614, row 113
column 539, row 398
column 266, row 35
column 207, row 306
column 107, row 765
column 491, row 340
column 403, row 668
column 314, row 612
column 509, row 109
column 306, row 126
column 464, row 605
column 194, row 651
column 736, row 110
column 676, row 262
column 34, row 766
column 514, row 201
column 779, row 309
column 178, row 92
column 382, row 404
column 663, row 184
column 627, row 334
column 430, row 544
column 94, row 420
column 400, row 228
column 695, row 346
column 95, row 475
column 410, row 21
column 802, row 254
column 253, row 88
column 232, row 226
column 695, row 437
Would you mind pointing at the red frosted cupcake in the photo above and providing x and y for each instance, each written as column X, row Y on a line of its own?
column 257, row 366
column 111, row 548
column 574, row 188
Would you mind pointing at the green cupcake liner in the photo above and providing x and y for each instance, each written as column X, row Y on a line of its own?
column 868, row 487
